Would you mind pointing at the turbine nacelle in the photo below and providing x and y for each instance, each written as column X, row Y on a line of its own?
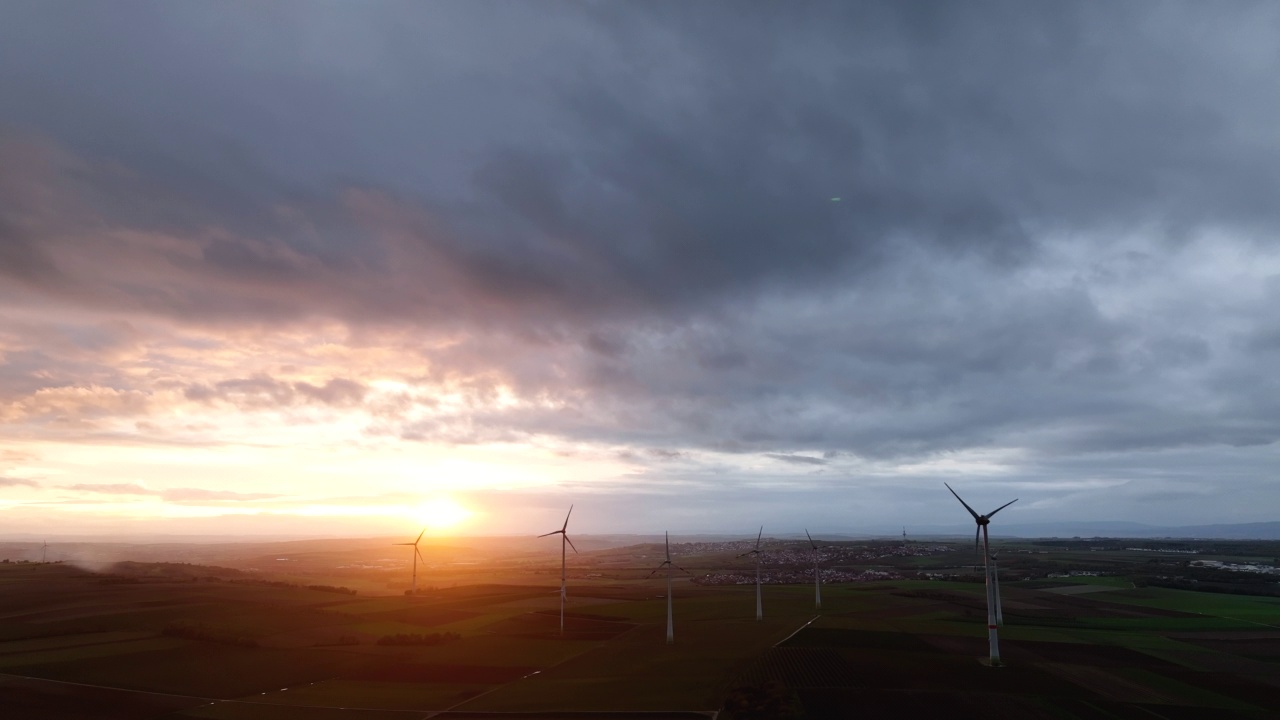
column 982, row 520
column 563, row 531
column 756, row 551
column 667, row 563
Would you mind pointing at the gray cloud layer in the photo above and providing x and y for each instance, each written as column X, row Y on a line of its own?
column 1054, row 234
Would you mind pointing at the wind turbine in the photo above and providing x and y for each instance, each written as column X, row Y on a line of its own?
column 995, row 588
column 416, row 554
column 817, row 582
column 44, row 552
column 564, row 538
column 671, row 637
column 756, row 552
column 980, row 538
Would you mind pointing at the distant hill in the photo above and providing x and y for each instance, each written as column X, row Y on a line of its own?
column 1119, row 529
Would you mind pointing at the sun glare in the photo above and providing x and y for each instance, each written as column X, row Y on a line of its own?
column 441, row 514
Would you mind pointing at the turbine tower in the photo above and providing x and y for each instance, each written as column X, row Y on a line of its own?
column 756, row 552
column 44, row 552
column 416, row 554
column 817, row 578
column 564, row 538
column 995, row 588
column 980, row 539
column 671, row 637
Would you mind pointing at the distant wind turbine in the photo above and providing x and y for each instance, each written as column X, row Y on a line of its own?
column 995, row 588
column 981, row 539
column 416, row 554
column 564, row 538
column 756, row 552
column 817, row 578
column 669, row 565
column 44, row 552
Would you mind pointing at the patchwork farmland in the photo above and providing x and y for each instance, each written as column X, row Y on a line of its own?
column 81, row 644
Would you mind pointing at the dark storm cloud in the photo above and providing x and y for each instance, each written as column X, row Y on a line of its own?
column 656, row 157
column 878, row 230
column 797, row 459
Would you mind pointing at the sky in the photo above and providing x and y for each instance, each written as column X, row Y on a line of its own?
column 347, row 268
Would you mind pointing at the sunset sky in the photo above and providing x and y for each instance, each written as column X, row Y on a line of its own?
column 310, row 268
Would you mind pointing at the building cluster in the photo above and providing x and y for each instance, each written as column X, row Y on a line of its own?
column 1163, row 550
column 794, row 563
column 1237, row 567
column 794, row 576
column 802, row 554
column 708, row 548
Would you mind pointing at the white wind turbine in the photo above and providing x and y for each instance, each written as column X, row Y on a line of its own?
column 980, row 538
column 564, row 538
column 995, row 588
column 671, row 637
column 756, row 552
column 817, row 578
column 416, row 554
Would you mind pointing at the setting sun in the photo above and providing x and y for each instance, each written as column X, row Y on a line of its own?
column 441, row 514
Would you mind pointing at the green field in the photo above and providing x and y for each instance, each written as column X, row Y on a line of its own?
column 1081, row 647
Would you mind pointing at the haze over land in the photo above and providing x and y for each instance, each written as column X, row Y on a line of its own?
column 346, row 269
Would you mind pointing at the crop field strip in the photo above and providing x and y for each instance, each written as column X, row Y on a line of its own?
column 910, row 641
column 1138, row 677
column 186, row 705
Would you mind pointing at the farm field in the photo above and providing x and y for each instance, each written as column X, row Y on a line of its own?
column 80, row 644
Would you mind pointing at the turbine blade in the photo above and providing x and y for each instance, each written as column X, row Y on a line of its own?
column 566, row 539
column 749, row 552
column 419, row 552
column 401, row 543
column 424, row 530
column 566, row 519
column 655, row 571
column 976, row 535
column 758, row 536
column 993, row 512
column 811, row 543
column 667, row 540
column 553, row 532
column 962, row 502
column 686, row 572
